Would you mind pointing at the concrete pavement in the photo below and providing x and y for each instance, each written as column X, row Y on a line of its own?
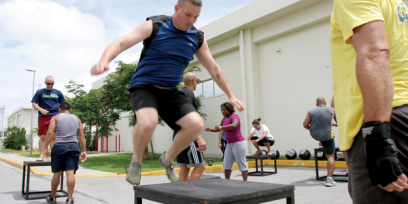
column 117, row 190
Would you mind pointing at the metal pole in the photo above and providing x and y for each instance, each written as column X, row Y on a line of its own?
column 32, row 112
column 2, row 120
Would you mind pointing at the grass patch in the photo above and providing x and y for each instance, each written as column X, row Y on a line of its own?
column 116, row 163
column 4, row 150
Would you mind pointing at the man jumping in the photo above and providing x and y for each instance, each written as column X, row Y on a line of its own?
column 169, row 45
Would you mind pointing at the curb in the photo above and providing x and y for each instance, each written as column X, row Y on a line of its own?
column 216, row 168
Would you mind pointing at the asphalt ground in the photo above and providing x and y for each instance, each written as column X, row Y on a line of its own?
column 116, row 190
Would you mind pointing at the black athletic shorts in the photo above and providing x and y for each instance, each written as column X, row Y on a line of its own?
column 170, row 104
column 190, row 157
column 329, row 146
column 264, row 140
column 65, row 157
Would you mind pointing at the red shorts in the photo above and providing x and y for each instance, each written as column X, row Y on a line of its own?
column 43, row 123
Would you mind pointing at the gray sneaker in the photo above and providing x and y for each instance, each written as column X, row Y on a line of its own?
column 257, row 153
column 330, row 182
column 51, row 200
column 133, row 174
column 171, row 174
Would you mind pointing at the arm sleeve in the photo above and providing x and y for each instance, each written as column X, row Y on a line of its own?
column 265, row 128
column 349, row 14
column 253, row 130
column 61, row 98
column 36, row 97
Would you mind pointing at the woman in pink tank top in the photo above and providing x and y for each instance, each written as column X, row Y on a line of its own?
column 236, row 144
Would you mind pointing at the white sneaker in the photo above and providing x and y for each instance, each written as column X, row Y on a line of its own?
column 330, row 182
column 40, row 159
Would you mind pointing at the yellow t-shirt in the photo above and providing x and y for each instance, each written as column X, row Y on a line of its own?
column 347, row 15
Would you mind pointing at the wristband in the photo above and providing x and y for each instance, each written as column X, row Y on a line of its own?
column 220, row 127
column 382, row 162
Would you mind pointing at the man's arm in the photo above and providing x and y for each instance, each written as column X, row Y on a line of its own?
column 48, row 137
column 306, row 122
column 375, row 80
column 206, row 59
column 373, row 70
column 143, row 31
column 37, row 107
column 334, row 117
column 82, row 140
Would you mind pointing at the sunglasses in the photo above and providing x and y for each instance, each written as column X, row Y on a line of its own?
column 50, row 83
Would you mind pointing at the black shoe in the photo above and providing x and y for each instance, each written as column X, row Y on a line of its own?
column 68, row 201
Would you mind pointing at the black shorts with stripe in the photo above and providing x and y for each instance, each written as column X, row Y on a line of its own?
column 190, row 157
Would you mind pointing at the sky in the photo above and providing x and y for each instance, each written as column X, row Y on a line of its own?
column 64, row 38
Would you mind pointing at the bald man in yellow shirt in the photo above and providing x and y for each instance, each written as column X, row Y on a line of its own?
column 369, row 48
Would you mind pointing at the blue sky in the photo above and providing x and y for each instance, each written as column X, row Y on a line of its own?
column 64, row 38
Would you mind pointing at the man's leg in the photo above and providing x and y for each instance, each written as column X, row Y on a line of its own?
column 183, row 175
column 227, row 174
column 55, row 183
column 41, row 144
column 70, row 183
column 147, row 119
column 330, row 164
column 146, row 122
column 197, row 172
column 191, row 126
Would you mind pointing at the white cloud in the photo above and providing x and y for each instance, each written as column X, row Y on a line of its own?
column 51, row 38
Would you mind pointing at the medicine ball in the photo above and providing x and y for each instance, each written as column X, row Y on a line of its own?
column 305, row 154
column 276, row 153
column 264, row 152
column 340, row 156
column 291, row 154
column 321, row 155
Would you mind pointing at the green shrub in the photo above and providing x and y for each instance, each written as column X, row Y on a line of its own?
column 15, row 138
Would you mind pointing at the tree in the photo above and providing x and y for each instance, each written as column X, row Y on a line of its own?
column 104, row 106
column 91, row 109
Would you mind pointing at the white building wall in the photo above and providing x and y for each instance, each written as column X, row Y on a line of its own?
column 21, row 118
column 280, row 87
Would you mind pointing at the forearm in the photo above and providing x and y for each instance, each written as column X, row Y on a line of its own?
column 229, row 127
column 213, row 130
column 199, row 137
column 48, row 138
column 37, row 107
column 375, row 80
column 219, row 137
column 263, row 137
column 83, row 143
column 111, row 52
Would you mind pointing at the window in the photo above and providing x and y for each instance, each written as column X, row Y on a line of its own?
column 208, row 89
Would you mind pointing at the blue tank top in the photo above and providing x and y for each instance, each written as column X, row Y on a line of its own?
column 166, row 54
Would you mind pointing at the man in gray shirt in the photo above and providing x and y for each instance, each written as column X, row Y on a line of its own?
column 319, row 121
column 65, row 153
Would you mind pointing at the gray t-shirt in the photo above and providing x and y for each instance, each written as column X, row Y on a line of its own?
column 321, row 123
column 67, row 128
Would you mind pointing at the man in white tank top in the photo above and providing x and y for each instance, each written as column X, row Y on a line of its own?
column 65, row 153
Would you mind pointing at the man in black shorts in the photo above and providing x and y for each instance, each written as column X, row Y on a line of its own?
column 192, row 156
column 169, row 45
column 319, row 121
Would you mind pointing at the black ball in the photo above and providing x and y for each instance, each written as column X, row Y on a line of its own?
column 291, row 154
column 264, row 152
column 305, row 154
column 276, row 153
